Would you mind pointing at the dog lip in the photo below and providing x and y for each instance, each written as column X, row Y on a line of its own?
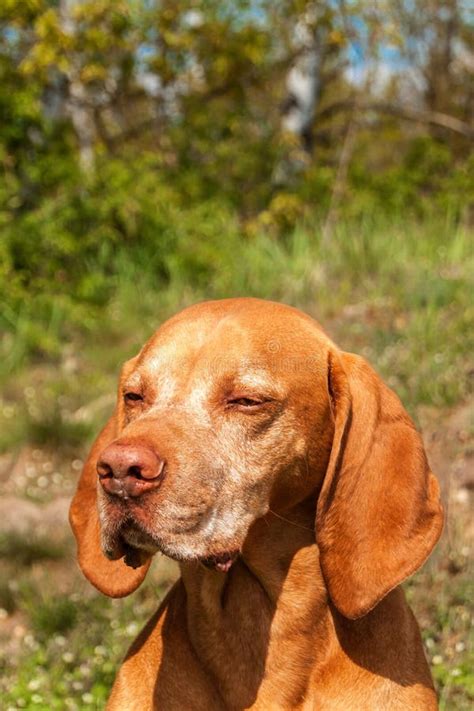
column 221, row 562
column 135, row 557
column 135, row 542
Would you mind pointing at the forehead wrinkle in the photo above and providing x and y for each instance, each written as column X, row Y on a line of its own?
column 198, row 395
column 175, row 379
column 133, row 380
column 254, row 378
column 168, row 365
column 162, row 382
column 166, row 386
column 180, row 333
column 156, row 357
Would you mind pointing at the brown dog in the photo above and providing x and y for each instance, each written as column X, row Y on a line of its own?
column 293, row 489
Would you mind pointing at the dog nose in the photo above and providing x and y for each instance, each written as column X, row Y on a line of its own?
column 129, row 470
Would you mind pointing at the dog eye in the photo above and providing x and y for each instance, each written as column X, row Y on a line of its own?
column 132, row 397
column 246, row 402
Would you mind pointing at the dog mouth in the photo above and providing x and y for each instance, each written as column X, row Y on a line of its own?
column 222, row 562
column 134, row 557
column 136, row 545
column 129, row 542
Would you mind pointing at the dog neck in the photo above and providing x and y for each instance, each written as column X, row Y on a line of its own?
column 272, row 599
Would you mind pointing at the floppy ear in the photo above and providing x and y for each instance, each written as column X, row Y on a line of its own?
column 112, row 577
column 379, row 513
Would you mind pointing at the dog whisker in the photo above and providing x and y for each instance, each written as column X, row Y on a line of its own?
column 293, row 523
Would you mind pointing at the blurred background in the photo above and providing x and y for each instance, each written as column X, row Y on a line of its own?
column 154, row 154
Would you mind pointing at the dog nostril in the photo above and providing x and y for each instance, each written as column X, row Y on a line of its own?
column 104, row 470
column 135, row 471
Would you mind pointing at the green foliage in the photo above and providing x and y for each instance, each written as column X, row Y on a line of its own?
column 26, row 551
column 426, row 181
column 197, row 88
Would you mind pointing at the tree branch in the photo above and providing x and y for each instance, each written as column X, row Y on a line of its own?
column 437, row 118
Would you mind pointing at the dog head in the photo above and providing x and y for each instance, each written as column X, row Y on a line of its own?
column 238, row 406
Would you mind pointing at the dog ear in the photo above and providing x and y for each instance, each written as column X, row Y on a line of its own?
column 379, row 513
column 112, row 577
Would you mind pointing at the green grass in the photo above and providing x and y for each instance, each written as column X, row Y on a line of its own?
column 28, row 550
column 75, row 642
column 399, row 293
column 441, row 596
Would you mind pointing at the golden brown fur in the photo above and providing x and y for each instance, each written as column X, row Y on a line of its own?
column 297, row 497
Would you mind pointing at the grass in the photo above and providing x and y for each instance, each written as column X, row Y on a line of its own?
column 27, row 550
column 396, row 292
column 442, row 602
column 74, row 642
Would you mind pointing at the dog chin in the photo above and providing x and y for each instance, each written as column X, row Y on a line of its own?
column 138, row 538
column 135, row 544
column 215, row 558
column 119, row 541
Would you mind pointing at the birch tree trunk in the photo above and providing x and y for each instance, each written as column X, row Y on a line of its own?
column 303, row 83
column 78, row 103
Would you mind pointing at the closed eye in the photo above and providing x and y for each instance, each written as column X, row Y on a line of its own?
column 246, row 403
column 132, row 397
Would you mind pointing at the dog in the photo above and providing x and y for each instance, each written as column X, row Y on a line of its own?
column 292, row 487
